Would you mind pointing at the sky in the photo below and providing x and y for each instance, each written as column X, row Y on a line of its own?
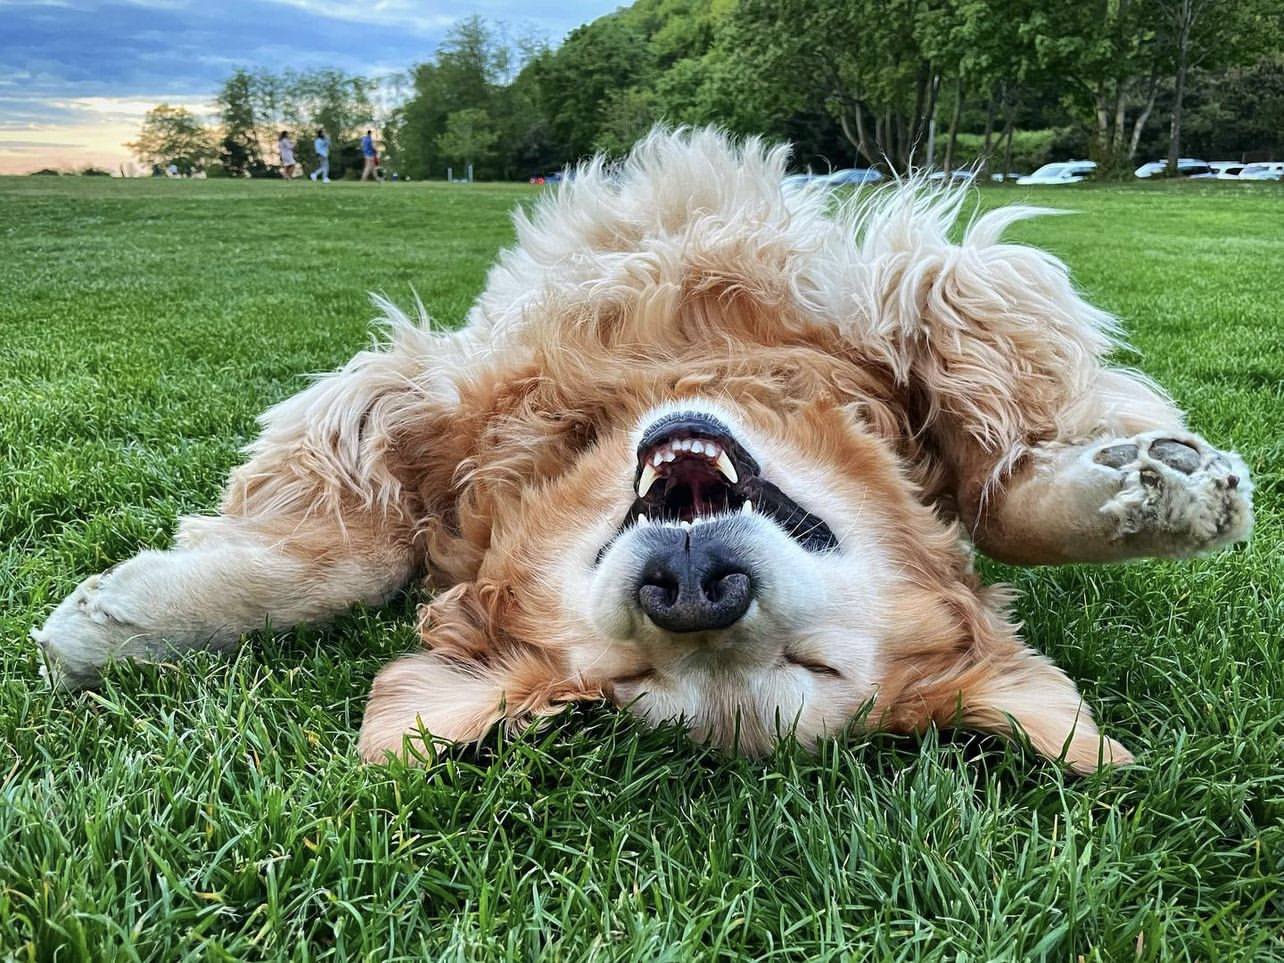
column 76, row 76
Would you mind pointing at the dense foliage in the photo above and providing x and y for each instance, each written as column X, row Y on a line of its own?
column 885, row 83
column 896, row 83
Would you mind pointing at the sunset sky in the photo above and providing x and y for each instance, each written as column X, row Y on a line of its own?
column 76, row 76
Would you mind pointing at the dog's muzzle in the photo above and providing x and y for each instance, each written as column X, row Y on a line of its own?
column 693, row 580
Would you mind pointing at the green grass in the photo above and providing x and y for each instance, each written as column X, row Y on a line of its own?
column 214, row 810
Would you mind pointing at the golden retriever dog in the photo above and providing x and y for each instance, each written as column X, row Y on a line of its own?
column 713, row 450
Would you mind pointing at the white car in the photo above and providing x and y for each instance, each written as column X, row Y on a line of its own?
column 1186, row 167
column 1066, row 172
column 1267, row 171
column 1227, row 170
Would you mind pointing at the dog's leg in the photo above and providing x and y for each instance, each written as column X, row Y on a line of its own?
column 1048, row 454
column 1144, row 487
column 224, row 578
column 316, row 521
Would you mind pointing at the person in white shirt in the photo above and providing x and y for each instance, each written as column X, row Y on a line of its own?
column 285, row 147
column 322, row 146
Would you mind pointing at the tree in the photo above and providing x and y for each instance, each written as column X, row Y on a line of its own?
column 866, row 61
column 626, row 116
column 1204, row 34
column 173, row 135
column 468, row 136
column 596, row 61
column 240, row 150
column 472, row 70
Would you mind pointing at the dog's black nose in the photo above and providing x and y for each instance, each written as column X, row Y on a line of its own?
column 693, row 582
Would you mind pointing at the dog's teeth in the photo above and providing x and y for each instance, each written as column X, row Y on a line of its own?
column 657, row 459
column 669, row 456
column 684, row 524
column 746, row 508
column 697, row 448
column 683, row 445
column 727, row 469
column 649, row 475
column 643, row 520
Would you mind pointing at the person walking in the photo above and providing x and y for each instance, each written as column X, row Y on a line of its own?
column 322, row 146
column 371, row 156
column 285, row 147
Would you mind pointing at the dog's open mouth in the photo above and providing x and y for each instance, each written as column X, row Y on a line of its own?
column 690, row 467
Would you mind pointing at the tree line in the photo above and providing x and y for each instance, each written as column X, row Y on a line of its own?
column 882, row 83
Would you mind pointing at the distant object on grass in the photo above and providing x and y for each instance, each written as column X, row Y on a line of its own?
column 553, row 177
column 851, row 177
column 965, row 175
column 1065, row 172
column 846, row 177
column 1240, row 171
column 1266, row 171
column 1186, row 167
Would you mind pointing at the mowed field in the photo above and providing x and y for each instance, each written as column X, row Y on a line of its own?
column 213, row 808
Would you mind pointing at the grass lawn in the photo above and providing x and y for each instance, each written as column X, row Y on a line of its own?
column 214, row 810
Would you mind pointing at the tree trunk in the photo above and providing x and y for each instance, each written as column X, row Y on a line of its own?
column 989, row 134
column 1009, row 129
column 952, row 138
column 931, row 119
column 1186, row 11
column 1103, row 126
column 858, row 137
column 1121, row 111
column 1139, row 123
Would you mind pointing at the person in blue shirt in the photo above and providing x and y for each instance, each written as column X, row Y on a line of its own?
column 322, row 146
column 370, row 154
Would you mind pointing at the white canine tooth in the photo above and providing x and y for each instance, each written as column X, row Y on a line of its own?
column 728, row 469
column 643, row 520
column 649, row 475
column 746, row 507
column 657, row 459
column 684, row 524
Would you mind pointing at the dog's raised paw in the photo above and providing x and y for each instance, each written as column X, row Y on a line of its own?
column 1172, row 494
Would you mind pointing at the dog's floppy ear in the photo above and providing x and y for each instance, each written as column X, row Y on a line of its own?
column 1028, row 693
column 962, row 663
column 472, row 678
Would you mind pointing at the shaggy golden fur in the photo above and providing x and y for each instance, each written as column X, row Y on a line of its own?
column 915, row 393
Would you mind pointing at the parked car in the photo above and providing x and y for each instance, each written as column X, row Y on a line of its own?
column 1266, row 171
column 1065, row 172
column 1186, row 167
column 962, row 175
column 552, row 177
column 1226, row 170
column 999, row 178
column 851, row 177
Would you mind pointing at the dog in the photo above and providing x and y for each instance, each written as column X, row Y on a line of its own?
column 710, row 449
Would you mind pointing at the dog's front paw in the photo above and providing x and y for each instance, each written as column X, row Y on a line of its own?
column 1171, row 494
column 85, row 632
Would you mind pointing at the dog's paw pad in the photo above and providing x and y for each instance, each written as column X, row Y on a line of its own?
column 1175, row 496
column 1176, row 454
column 1116, row 456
